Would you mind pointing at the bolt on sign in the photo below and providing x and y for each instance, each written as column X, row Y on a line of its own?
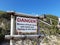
column 26, row 25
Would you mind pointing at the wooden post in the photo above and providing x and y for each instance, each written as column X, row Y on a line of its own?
column 38, row 33
column 12, row 29
column 50, row 21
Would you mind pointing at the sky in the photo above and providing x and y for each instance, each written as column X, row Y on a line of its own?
column 33, row 7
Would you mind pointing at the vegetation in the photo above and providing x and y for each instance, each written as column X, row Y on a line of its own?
column 50, row 30
column 4, row 24
column 44, row 29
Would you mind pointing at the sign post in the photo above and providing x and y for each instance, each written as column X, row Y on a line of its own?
column 24, row 24
column 12, row 29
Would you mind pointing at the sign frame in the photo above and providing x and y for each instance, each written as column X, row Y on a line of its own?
column 27, row 32
column 13, row 26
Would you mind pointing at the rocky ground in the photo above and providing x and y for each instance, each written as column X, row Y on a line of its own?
column 47, row 40
column 51, row 40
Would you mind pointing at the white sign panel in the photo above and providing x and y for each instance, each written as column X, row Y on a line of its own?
column 59, row 19
column 26, row 25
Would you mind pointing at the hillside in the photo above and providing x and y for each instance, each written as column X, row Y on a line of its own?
column 50, row 32
column 4, row 25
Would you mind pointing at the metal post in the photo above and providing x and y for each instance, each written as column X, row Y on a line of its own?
column 12, row 29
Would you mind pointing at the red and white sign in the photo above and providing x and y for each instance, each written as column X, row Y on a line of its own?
column 26, row 25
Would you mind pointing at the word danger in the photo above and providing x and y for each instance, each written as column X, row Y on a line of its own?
column 26, row 20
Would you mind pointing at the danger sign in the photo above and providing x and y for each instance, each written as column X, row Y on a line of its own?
column 26, row 24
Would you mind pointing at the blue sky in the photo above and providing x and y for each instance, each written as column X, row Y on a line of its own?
column 32, row 6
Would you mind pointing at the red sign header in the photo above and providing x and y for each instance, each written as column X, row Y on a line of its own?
column 26, row 20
